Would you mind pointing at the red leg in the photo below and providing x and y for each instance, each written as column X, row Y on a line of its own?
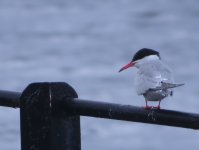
column 149, row 107
column 146, row 106
column 158, row 107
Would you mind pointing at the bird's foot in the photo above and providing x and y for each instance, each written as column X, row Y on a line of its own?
column 158, row 107
column 151, row 107
column 148, row 107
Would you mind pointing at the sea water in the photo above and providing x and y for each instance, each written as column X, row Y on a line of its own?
column 85, row 43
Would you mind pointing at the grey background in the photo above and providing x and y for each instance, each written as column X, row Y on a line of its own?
column 84, row 43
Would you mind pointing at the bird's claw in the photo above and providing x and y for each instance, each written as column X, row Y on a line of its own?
column 151, row 107
column 148, row 107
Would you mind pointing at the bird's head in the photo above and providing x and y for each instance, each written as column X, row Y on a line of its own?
column 140, row 56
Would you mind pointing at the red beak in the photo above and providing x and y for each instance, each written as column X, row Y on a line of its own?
column 131, row 64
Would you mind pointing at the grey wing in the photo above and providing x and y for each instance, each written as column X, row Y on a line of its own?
column 166, row 73
column 165, row 86
column 159, row 93
column 167, row 81
column 147, row 79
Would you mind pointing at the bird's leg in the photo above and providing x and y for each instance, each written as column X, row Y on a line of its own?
column 159, row 104
column 146, row 106
column 158, row 107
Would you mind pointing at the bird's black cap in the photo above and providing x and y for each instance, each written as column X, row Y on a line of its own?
column 144, row 52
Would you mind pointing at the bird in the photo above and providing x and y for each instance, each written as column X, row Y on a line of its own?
column 154, row 79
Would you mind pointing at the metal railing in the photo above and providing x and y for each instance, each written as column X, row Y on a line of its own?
column 50, row 115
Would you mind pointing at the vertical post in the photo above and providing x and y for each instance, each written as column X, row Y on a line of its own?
column 44, row 123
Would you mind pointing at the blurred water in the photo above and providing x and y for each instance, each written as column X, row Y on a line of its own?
column 85, row 42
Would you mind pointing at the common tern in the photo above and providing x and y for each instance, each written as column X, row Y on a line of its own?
column 154, row 79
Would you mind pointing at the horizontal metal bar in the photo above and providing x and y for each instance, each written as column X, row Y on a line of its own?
column 132, row 113
column 115, row 111
column 9, row 99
